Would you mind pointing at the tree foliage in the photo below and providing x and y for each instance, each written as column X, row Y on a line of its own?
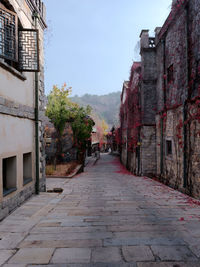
column 60, row 110
column 82, row 125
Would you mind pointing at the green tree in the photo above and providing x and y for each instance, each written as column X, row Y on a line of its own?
column 82, row 125
column 59, row 107
column 59, row 111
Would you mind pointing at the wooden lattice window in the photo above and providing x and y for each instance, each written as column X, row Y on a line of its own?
column 28, row 50
column 18, row 45
column 8, row 34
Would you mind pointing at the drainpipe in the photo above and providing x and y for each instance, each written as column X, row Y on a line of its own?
column 161, row 122
column 37, row 161
column 185, row 169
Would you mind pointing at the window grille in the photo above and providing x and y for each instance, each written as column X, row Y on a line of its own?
column 21, row 46
column 8, row 34
column 28, row 50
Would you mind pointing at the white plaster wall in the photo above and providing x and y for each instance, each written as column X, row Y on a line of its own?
column 11, row 87
column 14, row 89
column 23, row 12
column 16, row 135
column 16, row 138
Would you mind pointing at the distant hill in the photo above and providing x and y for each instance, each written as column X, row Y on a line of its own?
column 105, row 106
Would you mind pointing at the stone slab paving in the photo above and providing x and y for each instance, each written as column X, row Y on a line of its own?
column 105, row 217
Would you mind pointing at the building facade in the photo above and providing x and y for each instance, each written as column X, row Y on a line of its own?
column 170, row 100
column 177, row 120
column 137, row 115
column 22, row 158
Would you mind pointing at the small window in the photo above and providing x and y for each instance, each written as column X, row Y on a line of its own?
column 27, row 168
column 9, row 175
column 168, row 147
column 170, row 74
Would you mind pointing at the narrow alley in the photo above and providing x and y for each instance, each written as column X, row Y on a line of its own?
column 104, row 217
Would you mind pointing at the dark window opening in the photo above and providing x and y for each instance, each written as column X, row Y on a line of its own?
column 27, row 168
column 9, row 175
column 137, row 151
column 168, row 147
column 170, row 74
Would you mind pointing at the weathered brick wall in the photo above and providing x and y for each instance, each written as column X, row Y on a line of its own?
column 176, row 55
column 148, row 85
column 124, row 155
column 148, row 150
column 160, row 77
column 123, row 122
column 139, row 114
column 171, row 51
column 177, row 52
column 194, row 44
column 193, row 158
column 193, row 126
column 148, row 100
column 148, row 63
column 132, row 119
column 148, row 106
column 133, row 163
column 182, row 50
column 124, row 143
column 158, row 145
column 173, row 164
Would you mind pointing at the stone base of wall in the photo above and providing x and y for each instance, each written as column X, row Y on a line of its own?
column 134, row 163
column 43, row 185
column 172, row 168
column 193, row 155
column 148, row 151
column 8, row 205
column 173, row 165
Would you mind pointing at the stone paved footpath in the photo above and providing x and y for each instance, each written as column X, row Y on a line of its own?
column 104, row 217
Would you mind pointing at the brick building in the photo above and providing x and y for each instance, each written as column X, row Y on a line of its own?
column 137, row 116
column 123, row 123
column 169, row 98
column 22, row 24
column 178, row 72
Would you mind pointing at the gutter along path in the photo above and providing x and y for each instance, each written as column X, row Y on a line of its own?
column 104, row 217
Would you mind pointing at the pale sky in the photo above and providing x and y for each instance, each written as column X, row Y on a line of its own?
column 91, row 44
